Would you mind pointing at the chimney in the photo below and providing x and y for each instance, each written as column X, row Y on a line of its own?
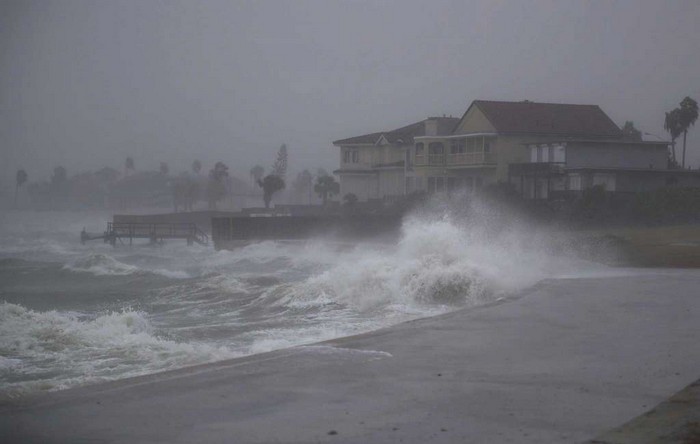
column 431, row 126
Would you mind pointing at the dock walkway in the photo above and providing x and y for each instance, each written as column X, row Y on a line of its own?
column 124, row 232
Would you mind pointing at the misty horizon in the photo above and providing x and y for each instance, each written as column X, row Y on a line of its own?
column 87, row 84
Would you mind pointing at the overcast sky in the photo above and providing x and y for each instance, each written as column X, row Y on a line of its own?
column 87, row 83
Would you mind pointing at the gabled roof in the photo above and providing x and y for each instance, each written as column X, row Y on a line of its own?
column 405, row 134
column 548, row 119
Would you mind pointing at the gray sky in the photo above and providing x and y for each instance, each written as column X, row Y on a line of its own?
column 87, row 83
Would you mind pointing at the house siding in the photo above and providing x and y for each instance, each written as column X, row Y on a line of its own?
column 582, row 155
column 474, row 122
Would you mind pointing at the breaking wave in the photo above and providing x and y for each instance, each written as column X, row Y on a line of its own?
column 256, row 299
column 104, row 265
column 54, row 350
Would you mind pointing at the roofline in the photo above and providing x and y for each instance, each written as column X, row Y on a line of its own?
column 456, row 136
column 478, row 101
column 599, row 141
column 640, row 170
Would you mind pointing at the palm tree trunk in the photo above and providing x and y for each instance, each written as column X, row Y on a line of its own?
column 673, row 150
column 685, row 134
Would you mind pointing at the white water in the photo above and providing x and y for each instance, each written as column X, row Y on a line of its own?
column 104, row 314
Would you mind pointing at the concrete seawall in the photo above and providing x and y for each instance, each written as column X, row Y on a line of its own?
column 201, row 218
column 228, row 232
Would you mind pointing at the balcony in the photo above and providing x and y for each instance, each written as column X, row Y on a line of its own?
column 457, row 159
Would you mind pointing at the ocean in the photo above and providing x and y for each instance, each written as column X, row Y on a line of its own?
column 73, row 314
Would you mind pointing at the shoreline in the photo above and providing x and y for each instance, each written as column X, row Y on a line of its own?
column 541, row 368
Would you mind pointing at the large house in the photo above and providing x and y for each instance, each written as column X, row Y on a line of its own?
column 542, row 149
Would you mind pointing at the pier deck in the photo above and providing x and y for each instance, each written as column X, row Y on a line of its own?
column 155, row 232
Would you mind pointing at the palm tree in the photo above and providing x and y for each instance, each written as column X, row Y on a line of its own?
column 270, row 185
column 196, row 167
column 216, row 187
column 21, row 178
column 128, row 165
column 326, row 187
column 687, row 118
column 672, row 124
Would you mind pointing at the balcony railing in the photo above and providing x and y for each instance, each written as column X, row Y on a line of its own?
column 454, row 159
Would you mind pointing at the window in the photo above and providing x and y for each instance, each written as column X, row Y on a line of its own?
column 575, row 182
column 559, row 154
column 351, row 156
column 533, row 153
column 471, row 145
column 458, row 146
column 419, row 148
column 487, row 145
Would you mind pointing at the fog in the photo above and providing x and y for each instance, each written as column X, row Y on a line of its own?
column 85, row 84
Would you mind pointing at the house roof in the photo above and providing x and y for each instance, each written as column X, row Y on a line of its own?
column 548, row 118
column 405, row 134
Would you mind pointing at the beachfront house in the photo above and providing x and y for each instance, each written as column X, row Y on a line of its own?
column 380, row 165
column 544, row 150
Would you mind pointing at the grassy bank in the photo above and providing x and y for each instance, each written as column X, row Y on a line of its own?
column 667, row 246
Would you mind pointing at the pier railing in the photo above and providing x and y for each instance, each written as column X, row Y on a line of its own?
column 155, row 232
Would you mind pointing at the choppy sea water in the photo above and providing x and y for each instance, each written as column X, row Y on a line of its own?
column 73, row 314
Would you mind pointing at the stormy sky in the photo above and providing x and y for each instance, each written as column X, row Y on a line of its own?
column 86, row 83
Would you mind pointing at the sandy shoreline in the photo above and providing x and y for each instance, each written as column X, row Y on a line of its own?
column 564, row 363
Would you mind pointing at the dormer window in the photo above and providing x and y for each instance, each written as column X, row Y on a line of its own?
column 351, row 156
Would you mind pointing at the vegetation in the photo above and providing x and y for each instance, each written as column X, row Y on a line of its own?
column 128, row 166
column 688, row 116
column 678, row 121
column 270, row 185
column 20, row 179
column 185, row 193
column 326, row 187
column 279, row 169
column 631, row 133
column 302, row 185
column 216, row 186
column 350, row 200
column 196, row 167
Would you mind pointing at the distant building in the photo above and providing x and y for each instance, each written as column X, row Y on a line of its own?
column 543, row 149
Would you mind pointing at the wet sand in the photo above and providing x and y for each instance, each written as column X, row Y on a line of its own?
column 563, row 362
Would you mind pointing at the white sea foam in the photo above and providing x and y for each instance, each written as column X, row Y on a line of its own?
column 265, row 297
column 53, row 350
column 105, row 265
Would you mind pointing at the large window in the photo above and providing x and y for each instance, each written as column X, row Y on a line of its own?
column 575, row 182
column 559, row 153
column 351, row 156
column 436, row 153
column 458, row 146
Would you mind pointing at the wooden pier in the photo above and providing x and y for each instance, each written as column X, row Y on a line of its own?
column 155, row 232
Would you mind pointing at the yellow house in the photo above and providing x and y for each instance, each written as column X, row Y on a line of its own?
column 493, row 135
column 539, row 148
